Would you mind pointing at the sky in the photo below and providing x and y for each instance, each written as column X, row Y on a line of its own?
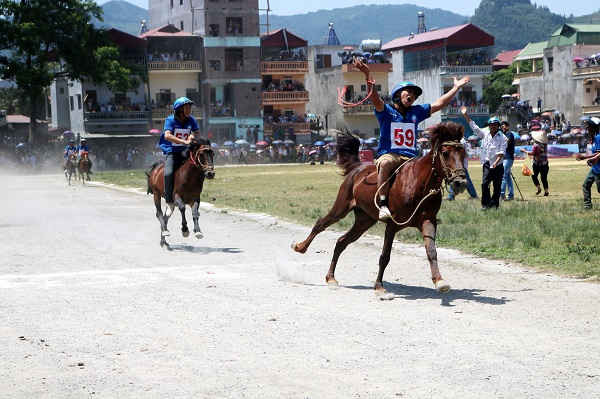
column 464, row 7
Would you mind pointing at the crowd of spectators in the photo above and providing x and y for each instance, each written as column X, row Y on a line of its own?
column 286, row 118
column 588, row 61
column 285, row 55
column 476, row 57
column 284, row 85
column 166, row 57
column 92, row 106
column 219, row 108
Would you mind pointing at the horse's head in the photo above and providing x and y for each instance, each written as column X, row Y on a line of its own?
column 202, row 156
column 447, row 147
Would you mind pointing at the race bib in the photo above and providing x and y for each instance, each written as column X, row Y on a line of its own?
column 182, row 134
column 402, row 136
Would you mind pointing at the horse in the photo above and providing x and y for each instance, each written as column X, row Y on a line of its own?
column 71, row 167
column 189, row 180
column 83, row 167
column 414, row 199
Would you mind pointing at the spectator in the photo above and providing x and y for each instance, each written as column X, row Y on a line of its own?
column 540, row 160
column 507, row 163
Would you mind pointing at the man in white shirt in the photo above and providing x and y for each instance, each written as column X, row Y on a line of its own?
column 493, row 146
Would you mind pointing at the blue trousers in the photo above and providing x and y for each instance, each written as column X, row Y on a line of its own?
column 470, row 188
column 507, row 179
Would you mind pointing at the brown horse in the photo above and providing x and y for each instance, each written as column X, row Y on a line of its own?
column 189, row 180
column 83, row 167
column 414, row 200
column 71, row 167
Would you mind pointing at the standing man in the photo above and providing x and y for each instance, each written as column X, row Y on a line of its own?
column 507, row 163
column 493, row 147
column 593, row 128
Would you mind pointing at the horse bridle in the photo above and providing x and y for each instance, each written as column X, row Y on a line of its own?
column 449, row 174
column 195, row 158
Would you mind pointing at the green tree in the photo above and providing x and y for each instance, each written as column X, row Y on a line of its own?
column 41, row 40
column 498, row 84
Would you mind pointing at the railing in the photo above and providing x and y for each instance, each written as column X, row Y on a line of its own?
column 465, row 69
column 284, row 97
column 287, row 67
column 481, row 109
column 591, row 109
column 296, row 126
column 112, row 116
column 360, row 109
column 161, row 113
column 174, row 65
column 536, row 74
column 586, row 70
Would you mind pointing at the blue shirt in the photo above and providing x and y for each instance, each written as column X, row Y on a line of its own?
column 179, row 130
column 70, row 149
column 596, row 148
column 397, row 132
column 83, row 148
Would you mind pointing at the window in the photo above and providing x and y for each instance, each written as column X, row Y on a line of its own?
column 72, row 103
column 180, row 2
column 234, row 25
column 214, row 65
column 323, row 61
column 171, row 3
column 234, row 60
column 193, row 95
column 62, row 90
column 180, row 25
column 378, row 88
column 79, row 101
column 550, row 64
column 363, row 87
column 213, row 30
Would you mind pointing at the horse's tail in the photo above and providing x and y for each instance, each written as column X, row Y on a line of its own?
column 148, row 174
column 347, row 152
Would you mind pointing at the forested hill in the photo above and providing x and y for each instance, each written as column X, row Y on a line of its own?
column 123, row 15
column 353, row 24
column 587, row 19
column 514, row 23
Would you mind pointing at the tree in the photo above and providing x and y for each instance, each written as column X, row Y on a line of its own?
column 41, row 40
column 498, row 84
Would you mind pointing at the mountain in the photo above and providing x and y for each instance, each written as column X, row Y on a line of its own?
column 587, row 19
column 354, row 24
column 514, row 23
column 122, row 15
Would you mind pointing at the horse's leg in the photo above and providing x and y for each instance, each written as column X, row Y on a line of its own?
column 341, row 207
column 362, row 223
column 184, row 227
column 428, row 230
column 196, row 216
column 164, row 232
column 384, row 259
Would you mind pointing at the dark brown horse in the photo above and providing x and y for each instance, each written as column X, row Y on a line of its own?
column 189, row 180
column 414, row 200
column 71, row 167
column 83, row 167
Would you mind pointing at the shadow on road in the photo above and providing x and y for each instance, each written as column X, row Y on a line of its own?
column 412, row 293
column 201, row 250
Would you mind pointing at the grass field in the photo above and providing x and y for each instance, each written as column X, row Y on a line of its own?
column 549, row 233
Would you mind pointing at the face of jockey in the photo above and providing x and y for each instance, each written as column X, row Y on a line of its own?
column 187, row 110
column 406, row 98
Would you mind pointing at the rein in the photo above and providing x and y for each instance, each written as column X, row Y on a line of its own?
column 448, row 175
column 195, row 157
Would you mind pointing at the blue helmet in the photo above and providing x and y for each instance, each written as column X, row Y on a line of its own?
column 180, row 102
column 405, row 85
column 493, row 120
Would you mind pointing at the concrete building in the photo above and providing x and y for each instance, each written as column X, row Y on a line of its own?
column 432, row 59
column 565, row 85
column 284, row 67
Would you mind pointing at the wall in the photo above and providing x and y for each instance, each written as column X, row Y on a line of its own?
column 60, row 104
column 322, row 88
column 76, row 115
column 430, row 81
column 531, row 88
column 177, row 82
column 104, row 95
column 161, row 13
column 560, row 89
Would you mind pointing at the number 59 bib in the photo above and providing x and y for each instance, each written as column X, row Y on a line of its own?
column 402, row 136
column 182, row 134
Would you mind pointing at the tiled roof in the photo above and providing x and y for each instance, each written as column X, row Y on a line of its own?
column 165, row 31
column 425, row 37
column 506, row 57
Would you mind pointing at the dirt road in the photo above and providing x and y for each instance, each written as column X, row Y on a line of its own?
column 91, row 306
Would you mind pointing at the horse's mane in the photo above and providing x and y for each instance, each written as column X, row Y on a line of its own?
column 347, row 151
column 447, row 131
column 197, row 142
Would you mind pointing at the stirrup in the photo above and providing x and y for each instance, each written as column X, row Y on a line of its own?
column 384, row 213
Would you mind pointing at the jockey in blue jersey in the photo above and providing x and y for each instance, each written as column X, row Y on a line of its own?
column 398, row 125
column 84, row 149
column 177, row 134
column 70, row 149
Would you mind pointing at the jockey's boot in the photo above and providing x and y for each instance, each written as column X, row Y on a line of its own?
column 384, row 213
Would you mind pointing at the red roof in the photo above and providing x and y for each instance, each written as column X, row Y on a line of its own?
column 124, row 39
column 20, row 119
column 277, row 39
column 505, row 58
column 165, row 31
column 465, row 36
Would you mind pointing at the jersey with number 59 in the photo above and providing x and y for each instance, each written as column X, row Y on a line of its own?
column 397, row 132
column 180, row 130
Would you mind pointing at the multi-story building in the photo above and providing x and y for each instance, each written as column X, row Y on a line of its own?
column 432, row 59
column 284, row 96
column 231, row 82
column 529, row 78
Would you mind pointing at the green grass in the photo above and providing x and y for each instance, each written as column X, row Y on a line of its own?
column 549, row 233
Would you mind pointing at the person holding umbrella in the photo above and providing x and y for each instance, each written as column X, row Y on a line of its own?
column 540, row 160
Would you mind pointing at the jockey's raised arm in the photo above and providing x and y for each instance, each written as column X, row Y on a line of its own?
column 375, row 99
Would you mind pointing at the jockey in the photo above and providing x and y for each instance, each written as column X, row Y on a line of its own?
column 69, row 150
column 178, row 133
column 398, row 124
column 83, row 148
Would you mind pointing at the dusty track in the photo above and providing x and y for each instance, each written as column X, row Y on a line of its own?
column 238, row 315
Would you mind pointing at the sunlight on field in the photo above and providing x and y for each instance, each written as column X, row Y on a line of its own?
column 549, row 232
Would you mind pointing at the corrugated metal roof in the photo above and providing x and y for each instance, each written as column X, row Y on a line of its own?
column 467, row 36
column 278, row 39
column 505, row 57
column 569, row 34
column 532, row 51
column 166, row 31
column 420, row 38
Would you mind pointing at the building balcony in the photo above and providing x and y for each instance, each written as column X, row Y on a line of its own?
column 465, row 69
column 524, row 75
column 284, row 97
column 115, row 116
column 363, row 109
column 587, row 71
column 372, row 67
column 481, row 109
column 135, row 122
column 297, row 127
column 175, row 66
column 283, row 67
column 591, row 110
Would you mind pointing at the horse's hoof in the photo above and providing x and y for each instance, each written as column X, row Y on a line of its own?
column 185, row 234
column 383, row 295
column 199, row 235
column 442, row 286
column 296, row 247
column 165, row 233
column 333, row 283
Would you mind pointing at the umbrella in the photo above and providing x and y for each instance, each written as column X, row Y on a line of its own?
column 506, row 96
column 576, row 130
column 228, row 144
column 328, row 139
column 21, row 145
column 154, row 131
column 214, row 145
column 379, row 54
column 551, row 135
column 348, row 48
column 319, row 143
column 566, row 136
column 263, row 143
column 577, row 59
column 288, row 141
column 525, row 137
column 277, row 142
column 241, row 142
column 252, row 146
